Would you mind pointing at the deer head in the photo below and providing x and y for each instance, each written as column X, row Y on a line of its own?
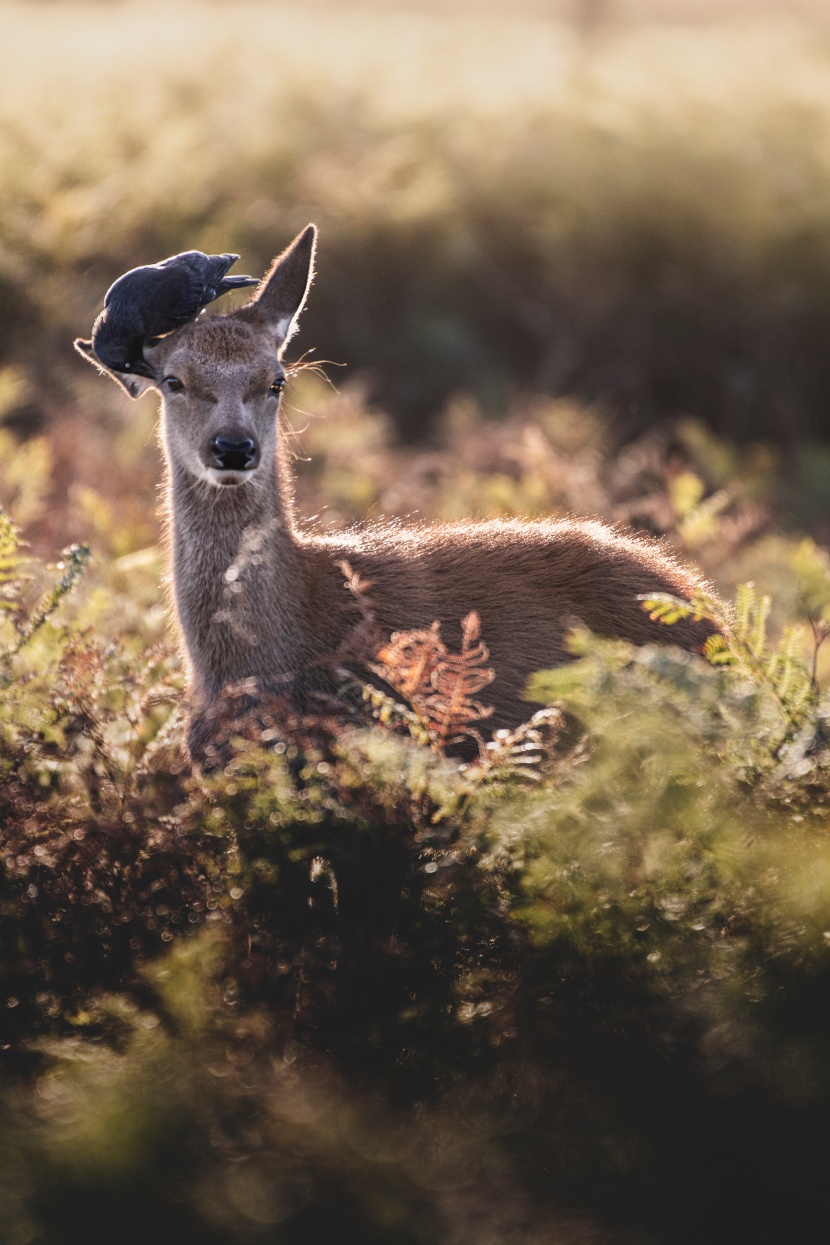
column 220, row 377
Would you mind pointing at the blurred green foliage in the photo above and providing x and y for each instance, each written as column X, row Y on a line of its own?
column 642, row 220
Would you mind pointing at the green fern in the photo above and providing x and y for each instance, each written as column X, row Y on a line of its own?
column 742, row 642
column 665, row 608
column 12, row 576
column 73, row 564
column 11, row 563
column 390, row 712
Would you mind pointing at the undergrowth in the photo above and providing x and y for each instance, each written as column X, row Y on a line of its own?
column 347, row 986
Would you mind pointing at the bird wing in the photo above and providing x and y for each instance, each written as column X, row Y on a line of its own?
column 157, row 298
column 179, row 294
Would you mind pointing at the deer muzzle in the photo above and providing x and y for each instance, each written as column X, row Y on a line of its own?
column 231, row 454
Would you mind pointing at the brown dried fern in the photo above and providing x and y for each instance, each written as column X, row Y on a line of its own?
column 365, row 636
column 410, row 659
column 440, row 686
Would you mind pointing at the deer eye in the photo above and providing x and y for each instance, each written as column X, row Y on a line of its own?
column 278, row 386
column 173, row 384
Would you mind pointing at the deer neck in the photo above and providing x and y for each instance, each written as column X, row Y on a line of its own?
column 236, row 578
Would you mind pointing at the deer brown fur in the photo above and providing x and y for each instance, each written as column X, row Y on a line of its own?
column 260, row 597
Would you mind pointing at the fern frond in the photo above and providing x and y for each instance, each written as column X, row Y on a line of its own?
column 789, row 674
column 742, row 642
column 666, row 608
column 745, row 601
column 73, row 564
column 390, row 712
column 410, row 658
column 757, row 623
column 74, row 561
column 519, row 753
column 11, row 562
column 717, row 651
column 440, row 686
column 457, row 680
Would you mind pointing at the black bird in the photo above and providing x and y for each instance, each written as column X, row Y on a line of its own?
column 153, row 300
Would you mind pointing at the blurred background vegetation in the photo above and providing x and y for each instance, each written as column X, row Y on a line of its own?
column 575, row 258
column 626, row 204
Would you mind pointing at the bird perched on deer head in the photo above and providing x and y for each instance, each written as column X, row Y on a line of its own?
column 153, row 300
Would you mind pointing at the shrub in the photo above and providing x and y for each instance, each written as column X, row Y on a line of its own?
column 345, row 984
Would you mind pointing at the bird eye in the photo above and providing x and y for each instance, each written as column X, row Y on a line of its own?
column 278, row 385
column 173, row 384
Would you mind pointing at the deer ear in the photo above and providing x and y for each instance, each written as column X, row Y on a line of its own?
column 279, row 300
column 135, row 386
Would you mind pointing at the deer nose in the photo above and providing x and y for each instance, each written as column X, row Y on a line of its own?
column 233, row 455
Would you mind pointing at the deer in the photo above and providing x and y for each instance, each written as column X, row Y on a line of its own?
column 262, row 599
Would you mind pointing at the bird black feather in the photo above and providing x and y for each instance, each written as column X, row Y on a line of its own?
column 154, row 300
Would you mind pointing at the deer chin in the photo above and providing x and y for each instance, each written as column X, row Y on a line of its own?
column 227, row 479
